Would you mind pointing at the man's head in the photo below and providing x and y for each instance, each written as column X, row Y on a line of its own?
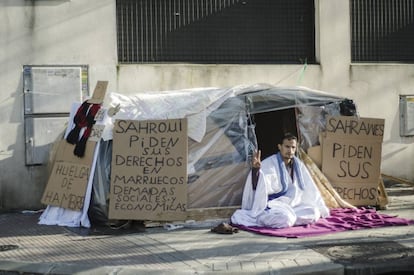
column 287, row 146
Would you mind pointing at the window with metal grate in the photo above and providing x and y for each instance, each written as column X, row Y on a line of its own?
column 382, row 30
column 216, row 31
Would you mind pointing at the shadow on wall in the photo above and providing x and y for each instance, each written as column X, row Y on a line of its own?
column 21, row 186
column 26, row 3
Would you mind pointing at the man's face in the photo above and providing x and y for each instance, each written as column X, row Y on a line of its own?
column 287, row 149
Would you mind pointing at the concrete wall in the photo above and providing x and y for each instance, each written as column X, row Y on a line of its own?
column 65, row 32
column 45, row 32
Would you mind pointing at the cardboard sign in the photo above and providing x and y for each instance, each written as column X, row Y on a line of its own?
column 68, row 180
column 349, row 126
column 69, row 177
column 351, row 157
column 351, row 160
column 315, row 153
column 149, row 170
column 98, row 95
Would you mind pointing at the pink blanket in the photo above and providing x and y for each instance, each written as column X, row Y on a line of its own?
column 341, row 219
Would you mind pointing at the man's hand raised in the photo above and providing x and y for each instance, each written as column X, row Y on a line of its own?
column 256, row 163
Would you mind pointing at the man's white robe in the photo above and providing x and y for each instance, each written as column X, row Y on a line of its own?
column 297, row 206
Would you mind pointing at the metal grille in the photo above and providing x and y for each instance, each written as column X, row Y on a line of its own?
column 382, row 30
column 216, row 31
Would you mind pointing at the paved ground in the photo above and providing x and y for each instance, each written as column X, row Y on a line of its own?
column 29, row 248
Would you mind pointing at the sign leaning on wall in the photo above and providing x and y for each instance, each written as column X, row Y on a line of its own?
column 149, row 170
column 351, row 157
column 68, row 179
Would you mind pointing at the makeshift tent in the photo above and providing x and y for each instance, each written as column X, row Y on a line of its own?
column 222, row 134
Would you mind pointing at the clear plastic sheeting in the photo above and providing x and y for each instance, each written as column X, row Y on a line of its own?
column 194, row 104
column 217, row 165
column 221, row 134
column 312, row 121
column 98, row 209
column 265, row 98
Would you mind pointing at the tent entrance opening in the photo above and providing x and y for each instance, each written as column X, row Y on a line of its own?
column 270, row 126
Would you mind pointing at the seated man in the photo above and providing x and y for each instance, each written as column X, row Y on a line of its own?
column 279, row 192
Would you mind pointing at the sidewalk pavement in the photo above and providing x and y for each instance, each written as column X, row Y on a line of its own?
column 29, row 248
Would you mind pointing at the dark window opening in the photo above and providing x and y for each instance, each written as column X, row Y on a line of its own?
column 216, row 31
column 382, row 31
